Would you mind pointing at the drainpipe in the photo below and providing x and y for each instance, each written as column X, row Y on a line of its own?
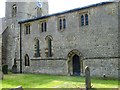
column 20, row 48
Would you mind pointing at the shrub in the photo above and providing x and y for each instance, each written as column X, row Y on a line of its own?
column 5, row 69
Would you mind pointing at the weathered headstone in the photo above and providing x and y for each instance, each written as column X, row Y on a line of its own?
column 18, row 88
column 14, row 67
column 87, row 78
column 1, row 75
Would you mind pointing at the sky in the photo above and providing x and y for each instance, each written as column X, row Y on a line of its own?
column 58, row 5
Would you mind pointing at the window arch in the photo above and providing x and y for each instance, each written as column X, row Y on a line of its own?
column 64, row 23
column 82, row 20
column 37, row 48
column 14, row 10
column 86, row 19
column 45, row 25
column 42, row 27
column 27, row 61
column 49, row 46
column 60, row 24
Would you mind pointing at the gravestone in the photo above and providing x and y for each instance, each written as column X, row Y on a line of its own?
column 14, row 67
column 18, row 88
column 87, row 78
column 1, row 75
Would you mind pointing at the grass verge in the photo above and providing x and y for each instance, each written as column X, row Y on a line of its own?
column 51, row 81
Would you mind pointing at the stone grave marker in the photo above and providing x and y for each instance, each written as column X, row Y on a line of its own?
column 18, row 88
column 87, row 78
column 1, row 75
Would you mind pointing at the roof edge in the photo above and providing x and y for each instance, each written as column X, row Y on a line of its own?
column 67, row 11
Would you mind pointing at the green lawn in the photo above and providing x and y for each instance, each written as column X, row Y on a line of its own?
column 50, row 81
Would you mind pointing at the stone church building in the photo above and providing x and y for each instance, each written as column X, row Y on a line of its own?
column 62, row 43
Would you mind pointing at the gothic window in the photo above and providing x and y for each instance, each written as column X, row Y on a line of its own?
column 62, row 23
column 14, row 10
column 49, row 46
column 27, row 29
column 86, row 19
column 37, row 48
column 43, row 27
column 27, row 61
column 82, row 20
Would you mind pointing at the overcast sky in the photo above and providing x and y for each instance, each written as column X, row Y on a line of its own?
column 58, row 5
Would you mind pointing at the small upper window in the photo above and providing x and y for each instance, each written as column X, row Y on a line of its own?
column 43, row 26
column 27, row 29
column 62, row 23
column 84, row 19
column 14, row 10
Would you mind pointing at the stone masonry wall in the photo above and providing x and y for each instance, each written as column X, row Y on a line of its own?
column 11, row 35
column 98, row 39
column 56, row 67
column 100, row 67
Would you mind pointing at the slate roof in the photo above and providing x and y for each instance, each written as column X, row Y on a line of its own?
column 67, row 11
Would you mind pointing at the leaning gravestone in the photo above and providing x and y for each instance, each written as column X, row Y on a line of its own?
column 87, row 78
column 1, row 75
column 18, row 88
column 14, row 67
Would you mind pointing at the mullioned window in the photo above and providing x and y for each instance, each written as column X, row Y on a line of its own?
column 84, row 19
column 61, row 23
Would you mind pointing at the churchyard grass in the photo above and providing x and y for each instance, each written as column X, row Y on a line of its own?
column 51, row 81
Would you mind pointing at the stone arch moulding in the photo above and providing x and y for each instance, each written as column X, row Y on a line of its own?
column 70, row 56
column 48, row 36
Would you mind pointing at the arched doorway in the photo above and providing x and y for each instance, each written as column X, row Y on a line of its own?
column 76, row 65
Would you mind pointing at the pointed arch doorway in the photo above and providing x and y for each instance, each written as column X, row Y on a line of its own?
column 75, row 63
